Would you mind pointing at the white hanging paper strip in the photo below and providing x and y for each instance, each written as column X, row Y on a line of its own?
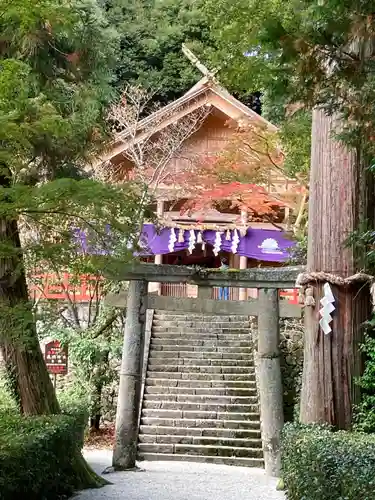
column 328, row 307
column 227, row 235
column 172, row 240
column 191, row 241
column 235, row 241
column 181, row 236
column 199, row 237
column 217, row 244
column 203, row 246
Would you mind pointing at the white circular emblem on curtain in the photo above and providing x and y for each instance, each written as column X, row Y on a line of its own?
column 271, row 246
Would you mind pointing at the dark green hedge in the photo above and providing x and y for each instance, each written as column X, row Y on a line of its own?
column 36, row 455
column 319, row 464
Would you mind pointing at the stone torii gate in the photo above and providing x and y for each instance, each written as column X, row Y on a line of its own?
column 267, row 308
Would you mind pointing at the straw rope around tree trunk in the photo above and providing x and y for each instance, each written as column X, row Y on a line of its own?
column 305, row 280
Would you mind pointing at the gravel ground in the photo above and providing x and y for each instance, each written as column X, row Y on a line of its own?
column 181, row 481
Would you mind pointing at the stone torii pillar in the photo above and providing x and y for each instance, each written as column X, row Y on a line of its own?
column 128, row 403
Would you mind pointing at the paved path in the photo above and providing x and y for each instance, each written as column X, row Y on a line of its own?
column 181, row 481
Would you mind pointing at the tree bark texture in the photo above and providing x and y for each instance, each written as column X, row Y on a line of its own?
column 338, row 202
column 19, row 342
column 128, row 404
column 20, row 345
column 269, row 379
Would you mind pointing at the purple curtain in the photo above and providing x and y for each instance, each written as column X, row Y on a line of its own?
column 261, row 244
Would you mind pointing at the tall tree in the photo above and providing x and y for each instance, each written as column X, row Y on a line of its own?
column 54, row 84
column 321, row 53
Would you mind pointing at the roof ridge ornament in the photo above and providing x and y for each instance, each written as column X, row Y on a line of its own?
column 209, row 74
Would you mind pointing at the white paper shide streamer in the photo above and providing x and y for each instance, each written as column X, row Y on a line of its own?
column 217, row 244
column 235, row 241
column 328, row 307
column 172, row 240
column 192, row 241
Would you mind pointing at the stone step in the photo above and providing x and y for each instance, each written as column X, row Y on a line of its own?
column 198, row 328
column 200, row 440
column 175, row 316
column 218, row 323
column 211, row 432
column 201, row 369
column 200, row 406
column 155, row 362
column 202, row 450
column 201, row 398
column 203, row 349
column 201, row 336
column 199, row 425
column 199, row 414
column 241, row 377
column 183, row 341
column 240, row 462
column 165, row 390
column 164, row 355
column 202, row 383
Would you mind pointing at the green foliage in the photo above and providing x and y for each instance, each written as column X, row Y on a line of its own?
column 317, row 53
column 94, row 349
column 151, row 34
column 291, row 361
column 298, row 254
column 319, row 464
column 364, row 415
column 36, row 456
column 295, row 134
column 7, row 403
column 54, row 84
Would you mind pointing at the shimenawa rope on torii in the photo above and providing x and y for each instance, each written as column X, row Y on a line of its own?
column 305, row 280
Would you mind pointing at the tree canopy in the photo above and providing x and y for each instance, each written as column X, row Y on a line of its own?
column 151, row 34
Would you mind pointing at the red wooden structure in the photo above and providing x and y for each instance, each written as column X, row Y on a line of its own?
column 63, row 286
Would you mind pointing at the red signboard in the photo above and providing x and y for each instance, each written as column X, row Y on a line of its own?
column 56, row 358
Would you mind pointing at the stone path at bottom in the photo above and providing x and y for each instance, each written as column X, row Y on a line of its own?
column 181, row 481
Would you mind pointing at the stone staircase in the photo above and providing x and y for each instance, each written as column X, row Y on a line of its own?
column 200, row 399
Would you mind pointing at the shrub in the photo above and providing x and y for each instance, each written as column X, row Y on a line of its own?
column 364, row 413
column 291, row 360
column 37, row 456
column 319, row 464
column 7, row 404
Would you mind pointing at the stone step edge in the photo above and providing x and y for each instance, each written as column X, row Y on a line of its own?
column 197, row 446
column 245, row 367
column 210, row 440
column 208, row 397
column 234, row 461
column 186, row 413
column 173, row 387
column 198, row 381
column 202, row 429
column 206, row 420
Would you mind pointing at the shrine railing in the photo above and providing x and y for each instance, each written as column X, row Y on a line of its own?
column 86, row 288
column 191, row 291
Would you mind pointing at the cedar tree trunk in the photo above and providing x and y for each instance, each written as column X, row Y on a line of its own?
column 337, row 204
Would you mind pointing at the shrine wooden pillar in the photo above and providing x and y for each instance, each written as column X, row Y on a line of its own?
column 156, row 287
column 243, row 260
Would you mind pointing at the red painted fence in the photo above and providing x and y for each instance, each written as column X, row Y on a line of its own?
column 63, row 286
